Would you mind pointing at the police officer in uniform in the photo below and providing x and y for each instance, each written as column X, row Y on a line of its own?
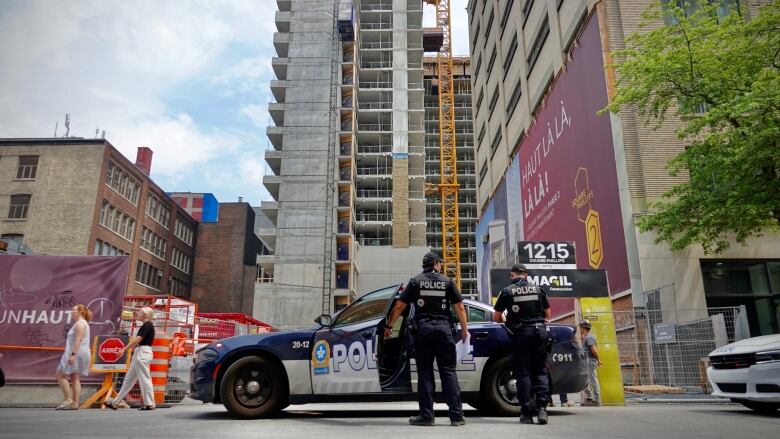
column 431, row 293
column 526, row 309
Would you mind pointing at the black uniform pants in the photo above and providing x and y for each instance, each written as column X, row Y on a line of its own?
column 434, row 340
column 529, row 353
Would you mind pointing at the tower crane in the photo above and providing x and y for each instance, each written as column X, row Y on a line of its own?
column 448, row 183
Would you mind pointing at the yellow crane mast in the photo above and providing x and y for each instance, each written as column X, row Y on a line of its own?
column 448, row 185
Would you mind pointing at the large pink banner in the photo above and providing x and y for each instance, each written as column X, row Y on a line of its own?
column 569, row 186
column 37, row 294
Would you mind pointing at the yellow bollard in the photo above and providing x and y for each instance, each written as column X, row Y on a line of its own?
column 599, row 311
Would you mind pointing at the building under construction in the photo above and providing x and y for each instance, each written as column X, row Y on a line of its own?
column 349, row 155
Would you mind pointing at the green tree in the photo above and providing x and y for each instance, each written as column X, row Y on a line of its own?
column 719, row 73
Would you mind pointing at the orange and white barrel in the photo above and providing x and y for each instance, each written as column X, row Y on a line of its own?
column 159, row 368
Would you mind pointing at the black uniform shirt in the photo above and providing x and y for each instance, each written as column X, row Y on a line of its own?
column 524, row 303
column 431, row 293
column 146, row 332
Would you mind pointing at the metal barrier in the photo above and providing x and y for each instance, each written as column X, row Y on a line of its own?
column 664, row 352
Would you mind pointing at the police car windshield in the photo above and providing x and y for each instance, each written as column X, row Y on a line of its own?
column 371, row 306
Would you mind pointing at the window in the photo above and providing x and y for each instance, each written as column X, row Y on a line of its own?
column 20, row 204
column 510, row 55
column 492, row 61
column 476, row 37
column 473, row 9
column 105, row 249
column 493, row 100
column 148, row 275
column 117, row 221
column 505, row 15
column 496, row 142
column 153, row 243
column 536, row 49
column 514, row 99
column 183, row 232
column 176, row 286
column 476, row 68
column 475, row 315
column 180, row 260
column 158, row 211
column 28, row 167
column 369, row 307
column 15, row 240
column 481, row 135
column 529, row 4
column 479, row 99
column 121, row 182
column 558, row 4
column 488, row 26
column 483, row 171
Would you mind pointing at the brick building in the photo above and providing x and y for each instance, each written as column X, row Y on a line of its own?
column 203, row 207
column 73, row 196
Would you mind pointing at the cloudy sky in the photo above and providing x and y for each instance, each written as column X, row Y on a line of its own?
column 187, row 78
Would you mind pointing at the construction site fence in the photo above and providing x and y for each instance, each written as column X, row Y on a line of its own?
column 664, row 352
column 187, row 334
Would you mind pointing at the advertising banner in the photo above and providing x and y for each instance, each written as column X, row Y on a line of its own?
column 37, row 294
column 598, row 310
column 559, row 282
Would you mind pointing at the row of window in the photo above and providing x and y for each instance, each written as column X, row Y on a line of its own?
column 117, row 221
column 158, row 211
column 120, row 181
column 28, row 167
column 183, row 232
column 105, row 249
column 149, row 275
column 177, row 287
column 181, row 261
column 153, row 243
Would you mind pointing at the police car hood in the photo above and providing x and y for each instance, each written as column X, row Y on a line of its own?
column 277, row 340
column 750, row 345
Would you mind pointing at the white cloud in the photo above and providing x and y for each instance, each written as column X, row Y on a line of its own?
column 116, row 64
column 257, row 114
column 459, row 22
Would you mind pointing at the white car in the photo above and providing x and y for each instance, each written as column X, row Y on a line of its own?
column 748, row 372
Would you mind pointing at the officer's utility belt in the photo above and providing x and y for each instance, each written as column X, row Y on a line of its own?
column 516, row 326
column 432, row 317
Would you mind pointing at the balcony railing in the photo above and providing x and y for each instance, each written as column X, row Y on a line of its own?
column 374, row 149
column 376, row 64
column 374, row 217
column 376, row 6
column 375, row 241
column 375, row 106
column 375, row 171
column 376, row 45
column 368, row 84
column 374, row 193
column 375, row 127
column 376, row 26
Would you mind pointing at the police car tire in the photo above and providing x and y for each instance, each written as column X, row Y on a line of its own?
column 490, row 399
column 276, row 401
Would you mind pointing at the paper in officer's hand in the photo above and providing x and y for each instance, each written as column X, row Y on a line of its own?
column 463, row 348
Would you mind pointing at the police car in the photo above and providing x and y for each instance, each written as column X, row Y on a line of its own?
column 343, row 359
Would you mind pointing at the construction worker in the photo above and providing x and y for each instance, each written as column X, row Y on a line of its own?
column 527, row 309
column 431, row 294
column 593, row 390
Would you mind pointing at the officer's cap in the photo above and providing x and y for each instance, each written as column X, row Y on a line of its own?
column 431, row 258
column 519, row 268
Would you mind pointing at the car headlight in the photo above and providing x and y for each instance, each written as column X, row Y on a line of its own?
column 768, row 356
column 206, row 354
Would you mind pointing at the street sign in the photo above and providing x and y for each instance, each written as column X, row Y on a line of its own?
column 558, row 282
column 547, row 254
column 105, row 354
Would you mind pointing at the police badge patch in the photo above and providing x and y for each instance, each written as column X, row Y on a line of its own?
column 420, row 303
column 515, row 308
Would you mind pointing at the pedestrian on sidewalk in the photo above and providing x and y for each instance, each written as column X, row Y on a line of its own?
column 593, row 390
column 75, row 359
column 139, row 366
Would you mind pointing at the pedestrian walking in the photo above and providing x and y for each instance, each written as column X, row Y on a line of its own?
column 527, row 310
column 139, row 365
column 593, row 390
column 431, row 294
column 75, row 359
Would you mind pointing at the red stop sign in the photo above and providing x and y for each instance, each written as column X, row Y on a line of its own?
column 108, row 351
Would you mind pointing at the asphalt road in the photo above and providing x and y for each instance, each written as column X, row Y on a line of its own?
column 389, row 420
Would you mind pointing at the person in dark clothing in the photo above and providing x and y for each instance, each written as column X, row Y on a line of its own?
column 431, row 294
column 527, row 310
column 139, row 365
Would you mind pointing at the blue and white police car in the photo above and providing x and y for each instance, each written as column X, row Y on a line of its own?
column 342, row 359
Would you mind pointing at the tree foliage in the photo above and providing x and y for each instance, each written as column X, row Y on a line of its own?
column 721, row 76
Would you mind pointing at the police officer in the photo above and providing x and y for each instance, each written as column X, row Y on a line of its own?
column 526, row 309
column 431, row 293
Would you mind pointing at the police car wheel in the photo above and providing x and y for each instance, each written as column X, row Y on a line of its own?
column 499, row 391
column 254, row 387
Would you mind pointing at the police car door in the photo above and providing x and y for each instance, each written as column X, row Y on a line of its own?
column 394, row 352
column 343, row 357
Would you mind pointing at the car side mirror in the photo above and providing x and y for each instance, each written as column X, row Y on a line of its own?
column 324, row 320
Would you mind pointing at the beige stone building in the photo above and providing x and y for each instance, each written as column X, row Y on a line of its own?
column 525, row 55
column 73, row 196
